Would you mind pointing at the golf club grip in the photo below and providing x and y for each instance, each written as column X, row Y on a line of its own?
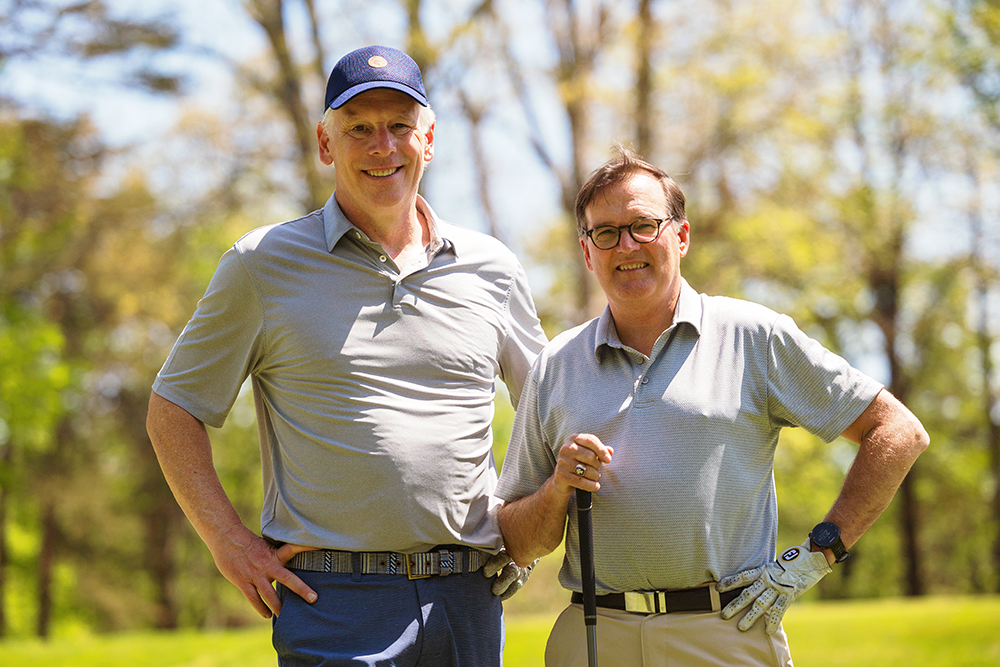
column 583, row 514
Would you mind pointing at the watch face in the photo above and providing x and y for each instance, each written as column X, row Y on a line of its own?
column 825, row 534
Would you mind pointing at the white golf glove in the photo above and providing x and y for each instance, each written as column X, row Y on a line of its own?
column 773, row 587
column 509, row 577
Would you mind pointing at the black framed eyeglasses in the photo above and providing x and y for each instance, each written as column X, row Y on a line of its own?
column 643, row 230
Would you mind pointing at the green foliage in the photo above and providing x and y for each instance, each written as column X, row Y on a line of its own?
column 32, row 378
column 503, row 422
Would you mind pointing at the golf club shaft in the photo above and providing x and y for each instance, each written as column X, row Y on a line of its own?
column 583, row 513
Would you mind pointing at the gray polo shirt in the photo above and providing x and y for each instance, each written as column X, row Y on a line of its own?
column 689, row 495
column 374, row 382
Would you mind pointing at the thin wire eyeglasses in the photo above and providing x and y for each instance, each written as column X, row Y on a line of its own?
column 644, row 230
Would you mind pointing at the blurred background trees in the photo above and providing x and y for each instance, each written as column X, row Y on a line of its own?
column 840, row 162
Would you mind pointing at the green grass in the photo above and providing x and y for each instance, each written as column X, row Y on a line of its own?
column 936, row 631
column 926, row 632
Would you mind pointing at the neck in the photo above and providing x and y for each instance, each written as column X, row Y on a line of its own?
column 400, row 232
column 639, row 326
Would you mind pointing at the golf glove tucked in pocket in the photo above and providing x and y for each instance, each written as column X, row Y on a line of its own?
column 773, row 587
column 509, row 577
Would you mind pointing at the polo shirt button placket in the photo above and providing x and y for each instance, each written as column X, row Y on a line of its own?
column 642, row 380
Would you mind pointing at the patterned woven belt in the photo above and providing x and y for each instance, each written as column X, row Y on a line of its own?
column 440, row 562
column 689, row 600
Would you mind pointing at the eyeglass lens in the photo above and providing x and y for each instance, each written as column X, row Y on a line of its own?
column 642, row 231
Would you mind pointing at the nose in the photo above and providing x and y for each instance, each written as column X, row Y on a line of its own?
column 625, row 241
column 383, row 142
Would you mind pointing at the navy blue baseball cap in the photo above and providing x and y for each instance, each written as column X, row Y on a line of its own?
column 373, row 67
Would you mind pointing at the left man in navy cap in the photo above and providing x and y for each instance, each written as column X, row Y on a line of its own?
column 372, row 332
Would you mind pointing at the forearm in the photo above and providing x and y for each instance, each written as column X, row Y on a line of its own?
column 890, row 439
column 184, row 452
column 534, row 526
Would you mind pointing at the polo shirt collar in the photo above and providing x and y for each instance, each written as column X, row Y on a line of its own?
column 336, row 224
column 689, row 310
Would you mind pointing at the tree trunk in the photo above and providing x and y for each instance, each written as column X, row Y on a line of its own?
column 993, row 446
column 46, row 563
column 474, row 115
column 319, row 57
column 56, row 466
column 578, row 49
column 644, row 81
column 884, row 281
column 161, row 517
column 990, row 399
column 160, row 534
column 5, row 476
column 908, row 525
column 269, row 14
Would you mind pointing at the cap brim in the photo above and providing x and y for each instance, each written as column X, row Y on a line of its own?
column 345, row 96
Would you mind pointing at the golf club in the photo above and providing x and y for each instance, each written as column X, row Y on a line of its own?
column 583, row 515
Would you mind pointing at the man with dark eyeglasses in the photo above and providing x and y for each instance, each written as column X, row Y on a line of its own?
column 668, row 409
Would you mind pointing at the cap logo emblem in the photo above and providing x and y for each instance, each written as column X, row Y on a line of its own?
column 377, row 62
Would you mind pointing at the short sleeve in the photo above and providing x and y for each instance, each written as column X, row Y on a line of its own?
column 525, row 337
column 218, row 348
column 810, row 386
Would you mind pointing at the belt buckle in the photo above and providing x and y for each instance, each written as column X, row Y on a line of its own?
column 409, row 569
column 646, row 602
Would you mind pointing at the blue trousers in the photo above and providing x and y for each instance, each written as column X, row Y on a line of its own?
column 379, row 620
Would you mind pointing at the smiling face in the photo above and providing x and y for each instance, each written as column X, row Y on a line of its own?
column 636, row 275
column 379, row 152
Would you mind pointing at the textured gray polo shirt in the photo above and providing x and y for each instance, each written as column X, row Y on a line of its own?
column 689, row 494
column 374, row 383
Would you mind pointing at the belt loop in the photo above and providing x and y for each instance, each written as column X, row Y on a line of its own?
column 467, row 557
column 447, row 562
column 355, row 566
column 716, row 600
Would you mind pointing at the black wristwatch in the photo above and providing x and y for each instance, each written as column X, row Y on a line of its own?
column 826, row 535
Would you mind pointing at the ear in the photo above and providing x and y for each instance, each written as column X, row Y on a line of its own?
column 323, row 140
column 429, row 143
column 684, row 238
column 586, row 252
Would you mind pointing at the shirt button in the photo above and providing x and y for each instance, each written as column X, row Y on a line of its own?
column 357, row 235
column 645, row 380
column 381, row 258
column 641, row 361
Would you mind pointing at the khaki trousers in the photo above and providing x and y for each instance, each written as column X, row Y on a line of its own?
column 625, row 639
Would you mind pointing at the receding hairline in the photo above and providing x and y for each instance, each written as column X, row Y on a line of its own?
column 619, row 169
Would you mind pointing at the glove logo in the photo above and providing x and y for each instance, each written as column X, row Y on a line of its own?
column 790, row 554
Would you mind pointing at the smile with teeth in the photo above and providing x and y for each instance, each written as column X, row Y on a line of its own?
column 381, row 173
column 631, row 266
